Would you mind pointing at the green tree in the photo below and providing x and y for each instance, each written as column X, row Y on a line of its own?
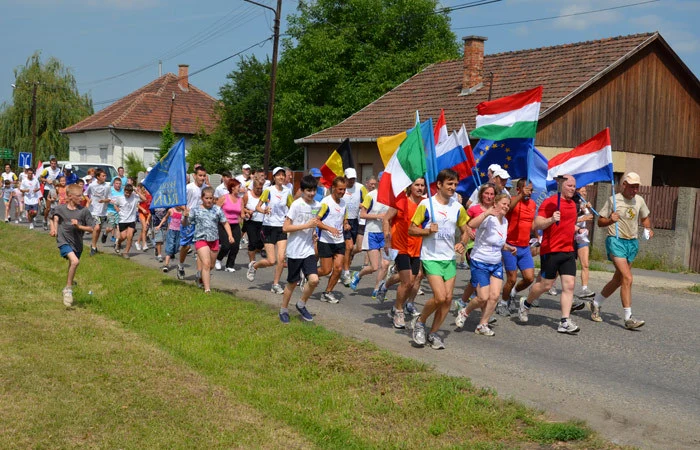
column 167, row 140
column 342, row 55
column 212, row 151
column 58, row 105
column 133, row 165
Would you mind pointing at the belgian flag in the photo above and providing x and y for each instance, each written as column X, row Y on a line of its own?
column 335, row 166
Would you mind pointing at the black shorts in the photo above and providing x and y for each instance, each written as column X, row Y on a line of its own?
column 126, row 225
column 295, row 267
column 361, row 230
column 352, row 232
column 405, row 262
column 272, row 235
column 562, row 263
column 255, row 240
column 326, row 250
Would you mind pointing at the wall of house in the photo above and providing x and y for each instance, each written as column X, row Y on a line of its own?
column 365, row 155
column 103, row 146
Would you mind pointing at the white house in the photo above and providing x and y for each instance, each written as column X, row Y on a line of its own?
column 134, row 123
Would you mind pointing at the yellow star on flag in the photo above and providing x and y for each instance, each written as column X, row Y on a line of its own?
column 507, row 150
column 487, row 148
column 508, row 158
column 482, row 174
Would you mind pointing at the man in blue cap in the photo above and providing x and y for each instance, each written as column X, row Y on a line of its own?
column 321, row 191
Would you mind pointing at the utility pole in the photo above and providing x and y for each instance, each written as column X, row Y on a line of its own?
column 273, row 81
column 34, row 87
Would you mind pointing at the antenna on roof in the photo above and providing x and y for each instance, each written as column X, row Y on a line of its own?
column 160, row 69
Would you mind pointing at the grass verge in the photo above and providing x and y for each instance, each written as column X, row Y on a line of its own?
column 150, row 362
column 695, row 288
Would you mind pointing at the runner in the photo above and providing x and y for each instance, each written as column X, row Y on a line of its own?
column 194, row 199
column 116, row 190
column 8, row 193
column 127, row 207
column 172, row 238
column 32, row 194
column 623, row 221
column 232, row 206
column 144, row 217
column 360, row 243
column 253, row 220
column 581, row 241
column 331, row 243
column 557, row 218
column 300, row 224
column 437, row 253
column 98, row 193
column 222, row 189
column 355, row 194
column 396, row 224
column 274, row 204
column 46, row 177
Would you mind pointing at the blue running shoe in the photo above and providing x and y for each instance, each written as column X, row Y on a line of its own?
column 374, row 294
column 355, row 280
column 305, row 314
column 284, row 317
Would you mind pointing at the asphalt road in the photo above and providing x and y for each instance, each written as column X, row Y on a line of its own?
column 637, row 388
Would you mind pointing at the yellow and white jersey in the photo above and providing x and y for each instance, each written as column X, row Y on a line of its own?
column 332, row 214
column 278, row 202
column 374, row 207
column 440, row 246
column 353, row 199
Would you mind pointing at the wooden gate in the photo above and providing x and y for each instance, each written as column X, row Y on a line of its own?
column 694, row 263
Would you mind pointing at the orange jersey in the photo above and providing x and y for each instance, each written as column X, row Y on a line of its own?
column 520, row 220
column 400, row 239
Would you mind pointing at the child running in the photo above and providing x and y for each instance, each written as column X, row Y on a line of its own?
column 32, row 193
column 172, row 238
column 68, row 224
column 373, row 212
column 300, row 225
column 205, row 220
column 127, row 207
column 331, row 243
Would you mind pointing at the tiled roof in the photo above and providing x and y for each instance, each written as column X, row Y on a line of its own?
column 148, row 109
column 563, row 70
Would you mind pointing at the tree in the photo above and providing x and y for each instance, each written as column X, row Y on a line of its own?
column 167, row 140
column 342, row 55
column 212, row 151
column 133, row 165
column 58, row 105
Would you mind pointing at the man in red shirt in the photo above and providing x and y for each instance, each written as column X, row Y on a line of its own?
column 520, row 218
column 557, row 219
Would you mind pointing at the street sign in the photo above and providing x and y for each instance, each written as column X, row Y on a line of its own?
column 25, row 159
column 6, row 153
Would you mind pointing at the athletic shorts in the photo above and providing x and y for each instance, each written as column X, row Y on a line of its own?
column 482, row 272
column 521, row 260
column 375, row 241
column 113, row 219
column 30, row 208
column 361, row 230
column 158, row 236
column 405, row 262
column 391, row 256
column 125, row 225
column 326, row 250
column 295, row 267
column 272, row 235
column 98, row 220
column 445, row 269
column 186, row 235
column 621, row 248
column 562, row 263
column 352, row 232
column 65, row 249
column 172, row 242
column 254, row 230
column 213, row 245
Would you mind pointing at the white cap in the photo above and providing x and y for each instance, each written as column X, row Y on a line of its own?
column 350, row 173
column 632, row 178
column 245, row 166
column 502, row 173
column 87, row 177
column 276, row 169
column 27, row 167
column 495, row 168
column 148, row 169
column 68, row 166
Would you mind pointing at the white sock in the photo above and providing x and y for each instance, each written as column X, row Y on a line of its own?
column 513, row 292
column 179, row 266
column 284, row 310
column 584, row 287
column 301, row 304
column 628, row 313
column 598, row 299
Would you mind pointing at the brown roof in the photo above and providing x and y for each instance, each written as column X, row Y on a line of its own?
column 563, row 70
column 148, row 109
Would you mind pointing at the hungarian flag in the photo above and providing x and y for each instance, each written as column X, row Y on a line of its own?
column 404, row 167
column 588, row 163
column 335, row 166
column 440, row 132
column 509, row 117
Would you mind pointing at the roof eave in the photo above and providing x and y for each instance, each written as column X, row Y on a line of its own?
column 304, row 141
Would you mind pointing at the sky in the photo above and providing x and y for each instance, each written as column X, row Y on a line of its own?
column 113, row 46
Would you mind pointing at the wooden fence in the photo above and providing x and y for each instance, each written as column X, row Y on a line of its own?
column 663, row 203
column 694, row 263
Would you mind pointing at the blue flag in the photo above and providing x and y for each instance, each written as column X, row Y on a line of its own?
column 166, row 181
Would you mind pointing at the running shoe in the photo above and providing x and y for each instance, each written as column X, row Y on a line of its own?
column 93, row 251
column 180, row 273
column 535, row 303
column 568, row 326
column 117, row 250
column 230, row 269
column 552, row 291
column 595, row 312
column 164, row 269
column 354, row 280
column 250, row 275
column 578, row 306
column 67, row 297
column 502, row 309
column 217, row 265
column 277, row 289
column 381, row 292
column 391, row 313
column 103, row 238
column 436, row 341
column 46, row 226
column 305, row 314
column 145, row 247
column 399, row 320
column 461, row 317
column 411, row 310
column 159, row 258
column 126, row 256
column 522, row 310
column 418, row 332
column 31, row 225
column 633, row 323
column 329, row 297
column 484, row 330
column 284, row 317
column 374, row 294
column 113, row 239
column 345, row 278
column 420, row 291
column 138, row 246
column 586, row 293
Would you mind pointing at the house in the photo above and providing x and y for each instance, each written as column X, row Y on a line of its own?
column 134, row 123
column 636, row 85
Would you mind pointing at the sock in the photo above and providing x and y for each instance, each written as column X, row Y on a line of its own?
column 598, row 299
column 301, row 304
column 180, row 267
column 284, row 310
column 628, row 313
column 563, row 319
column 513, row 292
column 527, row 305
column 584, row 287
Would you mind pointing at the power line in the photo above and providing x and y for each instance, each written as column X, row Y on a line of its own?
column 556, row 17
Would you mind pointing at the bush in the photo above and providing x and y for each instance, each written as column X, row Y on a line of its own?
column 133, row 165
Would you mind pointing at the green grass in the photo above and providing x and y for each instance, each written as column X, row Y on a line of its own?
column 146, row 361
column 694, row 288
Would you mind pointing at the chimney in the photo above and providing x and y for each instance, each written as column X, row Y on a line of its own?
column 182, row 77
column 473, row 78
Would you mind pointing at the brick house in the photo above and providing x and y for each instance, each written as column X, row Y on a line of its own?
column 637, row 85
column 134, row 123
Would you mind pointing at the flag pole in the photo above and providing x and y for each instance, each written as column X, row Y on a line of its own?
column 617, row 226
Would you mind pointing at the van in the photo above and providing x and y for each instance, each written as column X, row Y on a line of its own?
column 81, row 168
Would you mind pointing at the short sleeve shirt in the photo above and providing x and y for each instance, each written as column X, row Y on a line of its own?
column 206, row 222
column 98, row 192
column 558, row 238
column 66, row 233
column 490, row 238
column 630, row 211
column 520, row 220
column 401, row 241
column 353, row 199
column 128, row 207
column 300, row 244
column 440, row 246
column 31, row 197
column 332, row 214
column 278, row 202
column 374, row 207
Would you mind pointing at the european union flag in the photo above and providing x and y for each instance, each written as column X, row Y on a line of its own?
column 166, row 181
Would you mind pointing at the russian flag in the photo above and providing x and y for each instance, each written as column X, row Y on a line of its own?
column 590, row 162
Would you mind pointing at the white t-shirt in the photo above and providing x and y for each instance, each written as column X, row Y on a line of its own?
column 51, row 174
column 332, row 214
column 374, row 207
column 220, row 191
column 31, row 197
column 194, row 195
column 97, row 192
column 490, row 239
column 440, row 246
column 251, row 204
column 300, row 244
column 278, row 202
column 353, row 198
column 128, row 207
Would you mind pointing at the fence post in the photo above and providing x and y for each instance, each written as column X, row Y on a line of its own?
column 685, row 216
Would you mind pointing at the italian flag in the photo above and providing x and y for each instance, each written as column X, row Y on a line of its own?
column 509, row 117
column 405, row 166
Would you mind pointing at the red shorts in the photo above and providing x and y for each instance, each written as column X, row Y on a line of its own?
column 213, row 245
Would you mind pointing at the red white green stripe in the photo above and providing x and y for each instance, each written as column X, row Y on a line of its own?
column 509, row 117
column 405, row 166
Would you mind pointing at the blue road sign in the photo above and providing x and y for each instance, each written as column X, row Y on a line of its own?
column 25, row 159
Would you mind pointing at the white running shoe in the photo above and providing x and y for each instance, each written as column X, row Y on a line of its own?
column 138, row 246
column 552, row 291
column 522, row 310
column 568, row 326
column 217, row 265
column 484, row 330
column 230, row 269
column 329, row 297
column 461, row 317
column 251, row 271
column 277, row 289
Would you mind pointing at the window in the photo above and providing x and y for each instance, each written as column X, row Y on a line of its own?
column 149, row 155
column 103, row 154
column 82, row 154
